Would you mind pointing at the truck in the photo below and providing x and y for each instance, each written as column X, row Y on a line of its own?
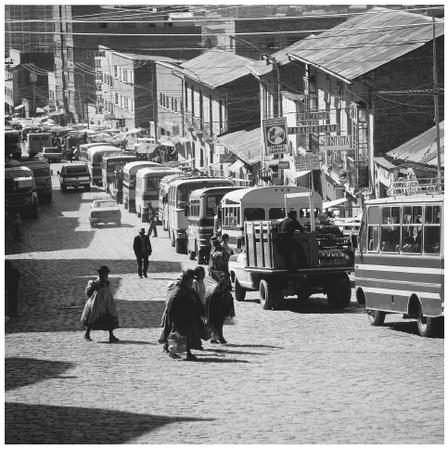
column 12, row 144
column 322, row 259
column 50, row 154
column 35, row 142
column 42, row 177
column 20, row 191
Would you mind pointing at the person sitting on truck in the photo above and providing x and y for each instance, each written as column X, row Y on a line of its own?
column 287, row 245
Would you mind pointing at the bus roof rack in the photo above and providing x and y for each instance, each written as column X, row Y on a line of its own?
column 414, row 186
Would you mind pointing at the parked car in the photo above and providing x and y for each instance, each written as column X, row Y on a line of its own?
column 74, row 175
column 104, row 211
column 50, row 154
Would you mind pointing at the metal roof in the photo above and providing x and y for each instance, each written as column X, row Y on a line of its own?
column 245, row 144
column 362, row 43
column 216, row 68
column 421, row 149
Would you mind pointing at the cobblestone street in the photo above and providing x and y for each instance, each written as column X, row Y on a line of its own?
column 306, row 374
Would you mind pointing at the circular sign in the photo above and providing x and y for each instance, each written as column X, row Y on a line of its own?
column 276, row 135
column 33, row 77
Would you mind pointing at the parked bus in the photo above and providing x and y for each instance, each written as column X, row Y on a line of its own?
column 42, row 177
column 147, row 189
column 110, row 164
column 12, row 144
column 399, row 263
column 163, row 196
column 35, row 142
column 263, row 203
column 20, row 191
column 178, row 195
column 84, row 147
column 95, row 158
column 203, row 207
column 129, row 173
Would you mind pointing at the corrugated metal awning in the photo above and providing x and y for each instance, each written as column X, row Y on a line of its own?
column 333, row 203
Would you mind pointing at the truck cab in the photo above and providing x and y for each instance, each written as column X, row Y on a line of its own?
column 42, row 176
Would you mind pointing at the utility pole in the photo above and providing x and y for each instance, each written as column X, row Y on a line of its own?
column 436, row 100
column 86, row 100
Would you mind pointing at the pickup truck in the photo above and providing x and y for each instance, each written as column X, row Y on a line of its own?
column 50, row 154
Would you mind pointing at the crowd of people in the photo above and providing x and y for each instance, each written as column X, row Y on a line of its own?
column 196, row 306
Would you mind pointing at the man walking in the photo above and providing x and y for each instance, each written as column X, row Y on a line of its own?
column 142, row 250
column 152, row 221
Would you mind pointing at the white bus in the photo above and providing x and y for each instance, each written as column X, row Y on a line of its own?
column 147, row 189
column 163, row 196
column 95, row 159
column 178, row 196
column 129, row 174
column 263, row 203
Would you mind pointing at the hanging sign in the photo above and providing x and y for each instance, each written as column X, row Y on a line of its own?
column 283, row 164
column 312, row 117
column 308, row 161
column 305, row 129
column 340, row 143
column 275, row 135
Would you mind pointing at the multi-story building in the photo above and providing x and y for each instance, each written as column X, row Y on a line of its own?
column 362, row 94
column 126, row 89
column 82, row 28
column 29, row 28
column 26, row 81
column 220, row 96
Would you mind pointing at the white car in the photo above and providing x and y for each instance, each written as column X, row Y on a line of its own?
column 104, row 211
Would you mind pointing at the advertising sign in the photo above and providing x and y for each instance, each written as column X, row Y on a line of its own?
column 336, row 143
column 283, row 164
column 308, row 161
column 312, row 117
column 305, row 129
column 275, row 135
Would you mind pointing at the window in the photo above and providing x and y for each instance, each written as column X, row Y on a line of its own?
column 254, row 214
column 373, row 228
column 115, row 71
column 390, row 229
column 231, row 217
column 411, row 233
column 277, row 213
column 431, row 237
column 210, row 208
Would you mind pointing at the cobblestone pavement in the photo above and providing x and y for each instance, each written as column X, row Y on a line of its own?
column 305, row 374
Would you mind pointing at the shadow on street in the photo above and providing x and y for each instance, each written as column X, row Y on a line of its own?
column 79, row 425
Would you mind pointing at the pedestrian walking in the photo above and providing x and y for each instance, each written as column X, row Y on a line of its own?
column 198, row 283
column 218, row 265
column 225, row 244
column 12, row 276
column 152, row 221
column 100, row 312
column 183, row 314
column 142, row 250
column 17, row 226
column 218, row 305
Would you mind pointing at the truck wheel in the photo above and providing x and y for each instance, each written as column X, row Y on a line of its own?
column 376, row 318
column 429, row 326
column 339, row 292
column 270, row 295
column 303, row 295
column 240, row 293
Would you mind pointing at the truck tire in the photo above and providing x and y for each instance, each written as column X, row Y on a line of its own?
column 240, row 293
column 376, row 318
column 429, row 326
column 339, row 292
column 270, row 295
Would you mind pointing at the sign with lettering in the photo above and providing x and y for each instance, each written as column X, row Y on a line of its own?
column 308, row 161
column 305, row 129
column 340, row 143
column 283, row 164
column 275, row 135
column 312, row 117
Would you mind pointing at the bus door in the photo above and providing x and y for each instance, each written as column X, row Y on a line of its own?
column 193, row 226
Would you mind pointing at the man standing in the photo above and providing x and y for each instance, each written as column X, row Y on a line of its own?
column 287, row 244
column 142, row 250
column 152, row 221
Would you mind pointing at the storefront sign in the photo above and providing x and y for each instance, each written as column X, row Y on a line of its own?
column 305, row 129
column 308, row 161
column 312, row 117
column 275, row 135
column 283, row 164
column 336, row 143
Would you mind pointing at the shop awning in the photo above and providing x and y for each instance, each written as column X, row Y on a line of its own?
column 302, row 173
column 236, row 166
column 333, row 203
column 16, row 108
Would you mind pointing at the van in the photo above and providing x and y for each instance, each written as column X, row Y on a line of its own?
column 42, row 176
column 74, row 175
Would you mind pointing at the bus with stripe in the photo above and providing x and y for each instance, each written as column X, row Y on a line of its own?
column 399, row 263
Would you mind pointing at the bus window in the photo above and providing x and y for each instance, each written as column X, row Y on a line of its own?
column 411, row 234
column 373, row 228
column 390, row 229
column 432, row 229
column 254, row 214
column 276, row 213
column 210, row 207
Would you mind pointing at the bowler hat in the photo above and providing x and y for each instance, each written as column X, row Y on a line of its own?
column 103, row 269
column 142, row 230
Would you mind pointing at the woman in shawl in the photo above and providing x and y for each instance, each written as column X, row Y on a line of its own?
column 99, row 311
column 218, row 305
column 183, row 313
column 218, row 267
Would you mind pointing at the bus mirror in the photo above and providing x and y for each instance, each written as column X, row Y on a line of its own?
column 354, row 241
column 57, row 172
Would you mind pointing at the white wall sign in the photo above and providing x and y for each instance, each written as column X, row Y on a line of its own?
column 342, row 143
column 275, row 135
